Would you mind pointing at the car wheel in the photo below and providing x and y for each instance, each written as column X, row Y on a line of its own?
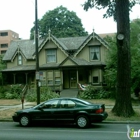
column 24, row 120
column 82, row 121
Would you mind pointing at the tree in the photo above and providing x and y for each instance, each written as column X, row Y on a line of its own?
column 2, row 66
column 61, row 22
column 111, row 62
column 119, row 9
column 135, row 51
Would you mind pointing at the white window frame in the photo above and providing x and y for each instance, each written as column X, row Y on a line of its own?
column 51, row 55
column 20, row 59
column 94, row 53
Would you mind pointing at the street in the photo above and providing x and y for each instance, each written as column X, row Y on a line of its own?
column 102, row 131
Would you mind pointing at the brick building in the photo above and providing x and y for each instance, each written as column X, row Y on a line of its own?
column 6, row 36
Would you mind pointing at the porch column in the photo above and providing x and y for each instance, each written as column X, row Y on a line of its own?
column 101, row 78
column 14, row 75
column 61, row 76
column 26, row 75
column 91, row 75
column 77, row 73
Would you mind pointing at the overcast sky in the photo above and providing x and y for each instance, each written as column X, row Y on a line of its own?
column 19, row 15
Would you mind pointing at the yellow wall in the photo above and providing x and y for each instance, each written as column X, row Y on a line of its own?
column 24, row 61
column 42, row 54
column 85, row 52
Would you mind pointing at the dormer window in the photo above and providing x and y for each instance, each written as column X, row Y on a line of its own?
column 51, row 55
column 19, row 59
column 94, row 53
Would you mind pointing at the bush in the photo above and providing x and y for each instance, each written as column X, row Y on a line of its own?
column 96, row 93
column 45, row 94
column 10, row 92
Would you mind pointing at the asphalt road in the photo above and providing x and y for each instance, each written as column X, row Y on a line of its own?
column 102, row 131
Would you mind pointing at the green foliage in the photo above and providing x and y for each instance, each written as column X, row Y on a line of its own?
column 10, row 92
column 96, row 93
column 111, row 68
column 111, row 64
column 110, row 6
column 135, row 51
column 2, row 66
column 45, row 94
column 61, row 22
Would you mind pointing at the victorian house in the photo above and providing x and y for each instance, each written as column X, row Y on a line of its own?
column 63, row 62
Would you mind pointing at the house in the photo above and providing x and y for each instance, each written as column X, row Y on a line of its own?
column 63, row 62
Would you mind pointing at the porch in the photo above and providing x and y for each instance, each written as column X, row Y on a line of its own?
column 69, row 93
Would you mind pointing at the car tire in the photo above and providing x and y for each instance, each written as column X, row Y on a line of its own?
column 82, row 121
column 24, row 120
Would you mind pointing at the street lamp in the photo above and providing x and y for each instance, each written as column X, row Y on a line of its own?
column 37, row 58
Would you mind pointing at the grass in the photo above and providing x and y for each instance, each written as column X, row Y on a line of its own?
column 7, row 114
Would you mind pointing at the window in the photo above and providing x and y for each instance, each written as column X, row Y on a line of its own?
column 63, row 104
column 67, row 104
column 50, row 77
column 4, row 34
column 51, row 55
column 53, row 77
column 3, row 51
column 95, row 79
column 51, row 104
column 4, row 45
column 71, row 104
column 19, row 59
column 57, row 77
column 94, row 53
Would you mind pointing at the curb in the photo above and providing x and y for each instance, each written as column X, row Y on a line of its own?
column 104, row 122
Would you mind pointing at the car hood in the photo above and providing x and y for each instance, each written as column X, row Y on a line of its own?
column 26, row 110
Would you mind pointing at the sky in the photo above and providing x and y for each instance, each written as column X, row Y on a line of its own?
column 19, row 15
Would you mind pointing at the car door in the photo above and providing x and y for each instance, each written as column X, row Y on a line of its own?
column 66, row 110
column 46, row 110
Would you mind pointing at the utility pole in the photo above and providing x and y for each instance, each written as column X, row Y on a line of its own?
column 37, row 57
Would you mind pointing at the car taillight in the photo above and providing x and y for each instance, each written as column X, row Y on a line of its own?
column 99, row 111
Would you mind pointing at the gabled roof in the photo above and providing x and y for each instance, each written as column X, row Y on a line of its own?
column 81, row 62
column 27, row 48
column 59, row 44
column 90, row 37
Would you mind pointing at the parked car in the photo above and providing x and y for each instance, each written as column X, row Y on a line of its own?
column 78, row 111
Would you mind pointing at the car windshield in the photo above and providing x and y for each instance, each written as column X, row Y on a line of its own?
column 39, row 105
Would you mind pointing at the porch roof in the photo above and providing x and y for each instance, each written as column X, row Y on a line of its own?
column 20, row 68
column 82, row 62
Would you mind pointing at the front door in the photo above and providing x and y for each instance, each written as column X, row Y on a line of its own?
column 73, row 79
column 69, row 79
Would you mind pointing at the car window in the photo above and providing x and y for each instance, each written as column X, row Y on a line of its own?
column 51, row 104
column 71, row 104
column 63, row 104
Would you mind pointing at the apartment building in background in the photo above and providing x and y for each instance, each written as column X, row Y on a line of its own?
column 6, row 36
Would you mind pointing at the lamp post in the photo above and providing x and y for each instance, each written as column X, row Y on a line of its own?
column 37, row 58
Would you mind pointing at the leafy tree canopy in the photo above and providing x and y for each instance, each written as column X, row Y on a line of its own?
column 111, row 68
column 109, row 4
column 2, row 66
column 61, row 22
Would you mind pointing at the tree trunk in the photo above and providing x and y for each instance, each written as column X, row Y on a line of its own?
column 123, row 105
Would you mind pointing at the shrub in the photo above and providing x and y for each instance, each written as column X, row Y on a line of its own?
column 45, row 94
column 96, row 93
column 10, row 92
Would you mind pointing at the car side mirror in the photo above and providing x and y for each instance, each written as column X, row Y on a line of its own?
column 40, row 107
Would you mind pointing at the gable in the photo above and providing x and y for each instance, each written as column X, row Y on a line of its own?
column 53, row 43
column 68, row 62
column 92, row 39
